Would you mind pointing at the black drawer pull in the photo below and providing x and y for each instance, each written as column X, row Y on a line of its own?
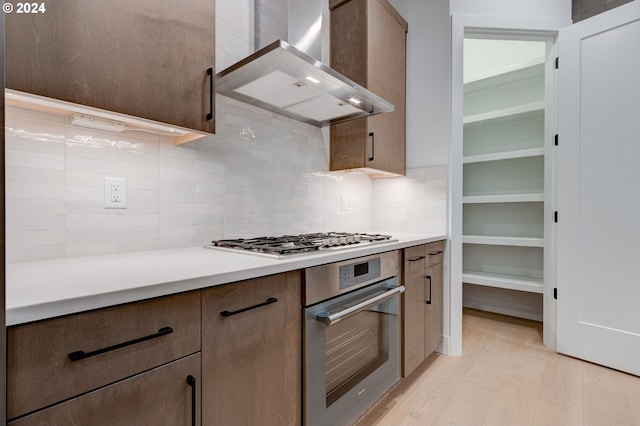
column 210, row 74
column 191, row 381
column 373, row 145
column 415, row 259
column 435, row 253
column 80, row 355
column 239, row 311
column 429, row 301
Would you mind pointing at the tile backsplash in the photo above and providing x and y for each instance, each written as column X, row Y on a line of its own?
column 261, row 174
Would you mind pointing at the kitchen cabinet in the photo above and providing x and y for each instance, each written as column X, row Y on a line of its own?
column 422, row 303
column 61, row 358
column 167, row 395
column 368, row 45
column 144, row 59
column 504, row 174
column 252, row 352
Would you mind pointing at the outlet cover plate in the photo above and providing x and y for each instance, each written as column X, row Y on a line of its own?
column 115, row 193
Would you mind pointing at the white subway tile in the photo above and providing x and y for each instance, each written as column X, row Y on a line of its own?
column 138, row 221
column 35, row 222
column 30, row 191
column 34, row 238
column 34, row 175
column 91, row 249
column 34, row 160
column 91, row 221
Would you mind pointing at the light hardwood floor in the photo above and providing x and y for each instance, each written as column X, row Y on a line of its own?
column 506, row 376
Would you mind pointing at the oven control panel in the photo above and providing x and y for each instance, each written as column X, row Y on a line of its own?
column 323, row 282
column 358, row 272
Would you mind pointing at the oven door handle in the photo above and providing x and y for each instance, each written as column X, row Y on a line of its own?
column 330, row 319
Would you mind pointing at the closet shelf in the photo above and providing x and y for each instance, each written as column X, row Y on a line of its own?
column 505, row 155
column 511, row 282
column 510, row 198
column 503, row 241
column 533, row 68
column 521, row 109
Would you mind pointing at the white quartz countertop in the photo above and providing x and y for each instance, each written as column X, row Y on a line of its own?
column 46, row 289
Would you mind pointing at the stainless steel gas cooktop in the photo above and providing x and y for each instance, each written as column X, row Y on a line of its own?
column 297, row 244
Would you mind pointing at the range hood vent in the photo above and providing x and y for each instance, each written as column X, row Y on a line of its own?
column 283, row 79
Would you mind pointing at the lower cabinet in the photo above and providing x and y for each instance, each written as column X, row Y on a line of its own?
column 62, row 358
column 251, row 352
column 422, row 303
column 167, row 395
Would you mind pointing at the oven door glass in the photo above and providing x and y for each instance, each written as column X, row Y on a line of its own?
column 351, row 359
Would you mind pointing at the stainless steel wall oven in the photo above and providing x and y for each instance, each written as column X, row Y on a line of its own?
column 351, row 337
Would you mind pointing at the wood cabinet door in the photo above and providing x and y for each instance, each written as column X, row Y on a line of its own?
column 368, row 45
column 252, row 358
column 386, row 77
column 144, row 58
column 413, row 308
column 165, row 396
column 434, row 309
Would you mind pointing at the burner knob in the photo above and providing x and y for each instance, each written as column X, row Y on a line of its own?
column 335, row 241
column 356, row 238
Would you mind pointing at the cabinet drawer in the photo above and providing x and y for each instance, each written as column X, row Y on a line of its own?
column 434, row 253
column 117, row 342
column 167, row 395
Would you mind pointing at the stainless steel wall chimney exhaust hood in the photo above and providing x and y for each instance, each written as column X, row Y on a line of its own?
column 282, row 78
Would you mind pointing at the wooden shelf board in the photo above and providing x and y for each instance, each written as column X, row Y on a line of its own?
column 507, row 155
column 503, row 241
column 511, row 282
column 536, row 106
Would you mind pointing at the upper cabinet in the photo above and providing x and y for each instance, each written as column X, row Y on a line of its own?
column 368, row 45
column 145, row 59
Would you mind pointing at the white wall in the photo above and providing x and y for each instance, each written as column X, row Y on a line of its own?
column 428, row 81
column 532, row 9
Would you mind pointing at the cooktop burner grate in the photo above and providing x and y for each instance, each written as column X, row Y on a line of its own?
column 291, row 244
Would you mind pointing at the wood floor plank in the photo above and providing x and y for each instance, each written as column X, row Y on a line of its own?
column 606, row 398
column 467, row 406
column 512, row 404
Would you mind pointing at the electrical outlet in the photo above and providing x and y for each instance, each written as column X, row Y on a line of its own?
column 344, row 202
column 115, row 193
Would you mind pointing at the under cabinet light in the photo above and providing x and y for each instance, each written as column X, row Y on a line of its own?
column 97, row 123
column 313, row 80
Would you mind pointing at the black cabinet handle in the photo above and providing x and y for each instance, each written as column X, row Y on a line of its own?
column 80, row 355
column 239, row 311
column 435, row 253
column 415, row 259
column 191, row 381
column 429, row 278
column 373, row 145
column 210, row 74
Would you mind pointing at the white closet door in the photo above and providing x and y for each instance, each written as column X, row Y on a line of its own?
column 598, row 234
